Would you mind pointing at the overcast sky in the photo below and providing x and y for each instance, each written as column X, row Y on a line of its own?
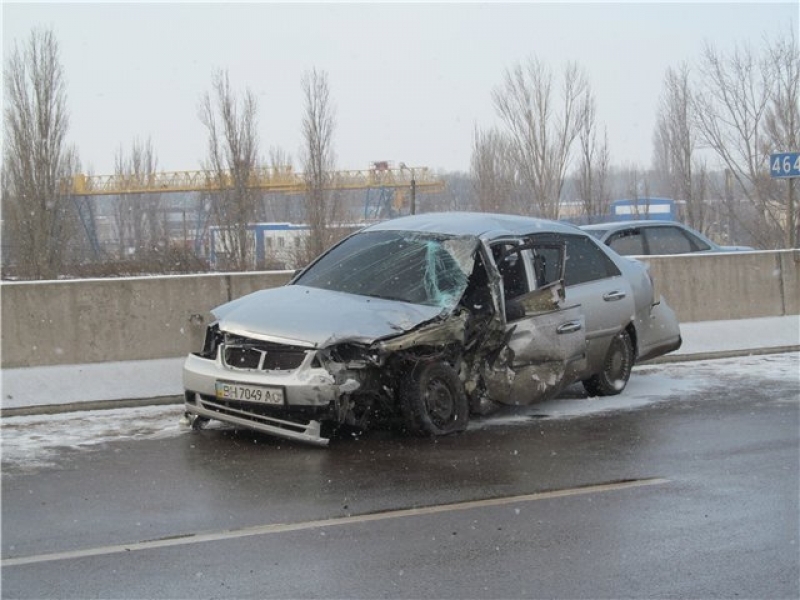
column 409, row 81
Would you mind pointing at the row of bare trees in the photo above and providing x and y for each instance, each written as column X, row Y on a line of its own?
column 726, row 114
column 522, row 165
column 44, row 228
column 234, row 157
column 734, row 109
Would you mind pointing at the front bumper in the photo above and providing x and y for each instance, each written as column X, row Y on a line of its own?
column 310, row 431
column 311, row 395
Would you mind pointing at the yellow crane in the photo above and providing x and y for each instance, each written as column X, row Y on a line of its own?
column 269, row 179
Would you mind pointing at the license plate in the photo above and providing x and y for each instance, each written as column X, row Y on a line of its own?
column 227, row 390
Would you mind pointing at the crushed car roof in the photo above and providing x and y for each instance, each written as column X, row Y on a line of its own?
column 472, row 224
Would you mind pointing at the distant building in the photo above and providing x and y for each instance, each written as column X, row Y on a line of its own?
column 656, row 209
column 274, row 245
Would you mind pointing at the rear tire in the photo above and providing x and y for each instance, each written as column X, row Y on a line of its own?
column 433, row 401
column 616, row 368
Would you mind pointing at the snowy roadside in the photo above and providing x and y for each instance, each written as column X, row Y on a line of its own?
column 37, row 441
column 740, row 336
column 76, row 387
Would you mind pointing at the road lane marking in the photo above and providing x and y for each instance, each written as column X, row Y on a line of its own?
column 199, row 538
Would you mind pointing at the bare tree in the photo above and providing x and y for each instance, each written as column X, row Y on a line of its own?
column 232, row 125
column 141, row 226
column 783, row 121
column 319, row 123
column 732, row 103
column 593, row 166
column 37, row 164
column 493, row 171
column 676, row 162
column 631, row 182
column 280, row 207
column 542, row 124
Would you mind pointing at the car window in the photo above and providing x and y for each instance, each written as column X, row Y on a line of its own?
column 585, row 260
column 547, row 265
column 396, row 265
column 669, row 240
column 698, row 245
column 628, row 243
column 511, row 265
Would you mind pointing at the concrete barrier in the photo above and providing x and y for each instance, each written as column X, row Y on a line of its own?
column 98, row 320
column 740, row 285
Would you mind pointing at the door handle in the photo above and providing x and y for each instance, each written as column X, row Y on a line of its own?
column 615, row 295
column 569, row 327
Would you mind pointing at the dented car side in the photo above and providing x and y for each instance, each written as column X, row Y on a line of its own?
column 419, row 325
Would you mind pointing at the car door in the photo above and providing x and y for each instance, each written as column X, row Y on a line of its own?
column 595, row 283
column 544, row 335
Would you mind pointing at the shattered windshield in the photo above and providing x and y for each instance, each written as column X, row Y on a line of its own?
column 397, row 265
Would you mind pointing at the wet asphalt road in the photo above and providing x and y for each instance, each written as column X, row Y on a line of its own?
column 693, row 496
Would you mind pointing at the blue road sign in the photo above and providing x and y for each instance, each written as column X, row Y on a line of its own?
column 784, row 164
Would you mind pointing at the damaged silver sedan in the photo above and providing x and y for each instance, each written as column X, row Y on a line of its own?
column 424, row 321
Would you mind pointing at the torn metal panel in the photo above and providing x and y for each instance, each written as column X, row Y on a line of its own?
column 441, row 332
column 537, row 352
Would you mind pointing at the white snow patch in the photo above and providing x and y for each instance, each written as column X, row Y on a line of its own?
column 740, row 334
column 67, row 384
column 34, row 441
column 30, row 442
column 650, row 385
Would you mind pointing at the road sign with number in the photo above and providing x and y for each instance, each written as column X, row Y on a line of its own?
column 784, row 164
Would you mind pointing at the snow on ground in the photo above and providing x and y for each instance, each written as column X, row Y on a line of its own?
column 35, row 441
column 69, row 384
column 31, row 442
column 662, row 383
column 740, row 334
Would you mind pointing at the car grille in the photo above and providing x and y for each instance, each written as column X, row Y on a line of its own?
column 263, row 356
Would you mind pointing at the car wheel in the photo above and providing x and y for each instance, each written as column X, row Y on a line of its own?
column 433, row 400
column 616, row 368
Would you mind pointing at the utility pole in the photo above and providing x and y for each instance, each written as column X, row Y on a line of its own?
column 413, row 188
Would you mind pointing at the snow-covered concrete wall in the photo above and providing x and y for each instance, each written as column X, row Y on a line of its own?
column 98, row 320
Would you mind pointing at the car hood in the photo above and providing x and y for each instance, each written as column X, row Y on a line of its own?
column 318, row 318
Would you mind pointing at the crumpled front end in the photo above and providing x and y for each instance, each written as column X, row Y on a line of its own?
column 274, row 388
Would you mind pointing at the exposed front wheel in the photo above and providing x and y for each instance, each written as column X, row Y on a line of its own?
column 616, row 368
column 433, row 400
